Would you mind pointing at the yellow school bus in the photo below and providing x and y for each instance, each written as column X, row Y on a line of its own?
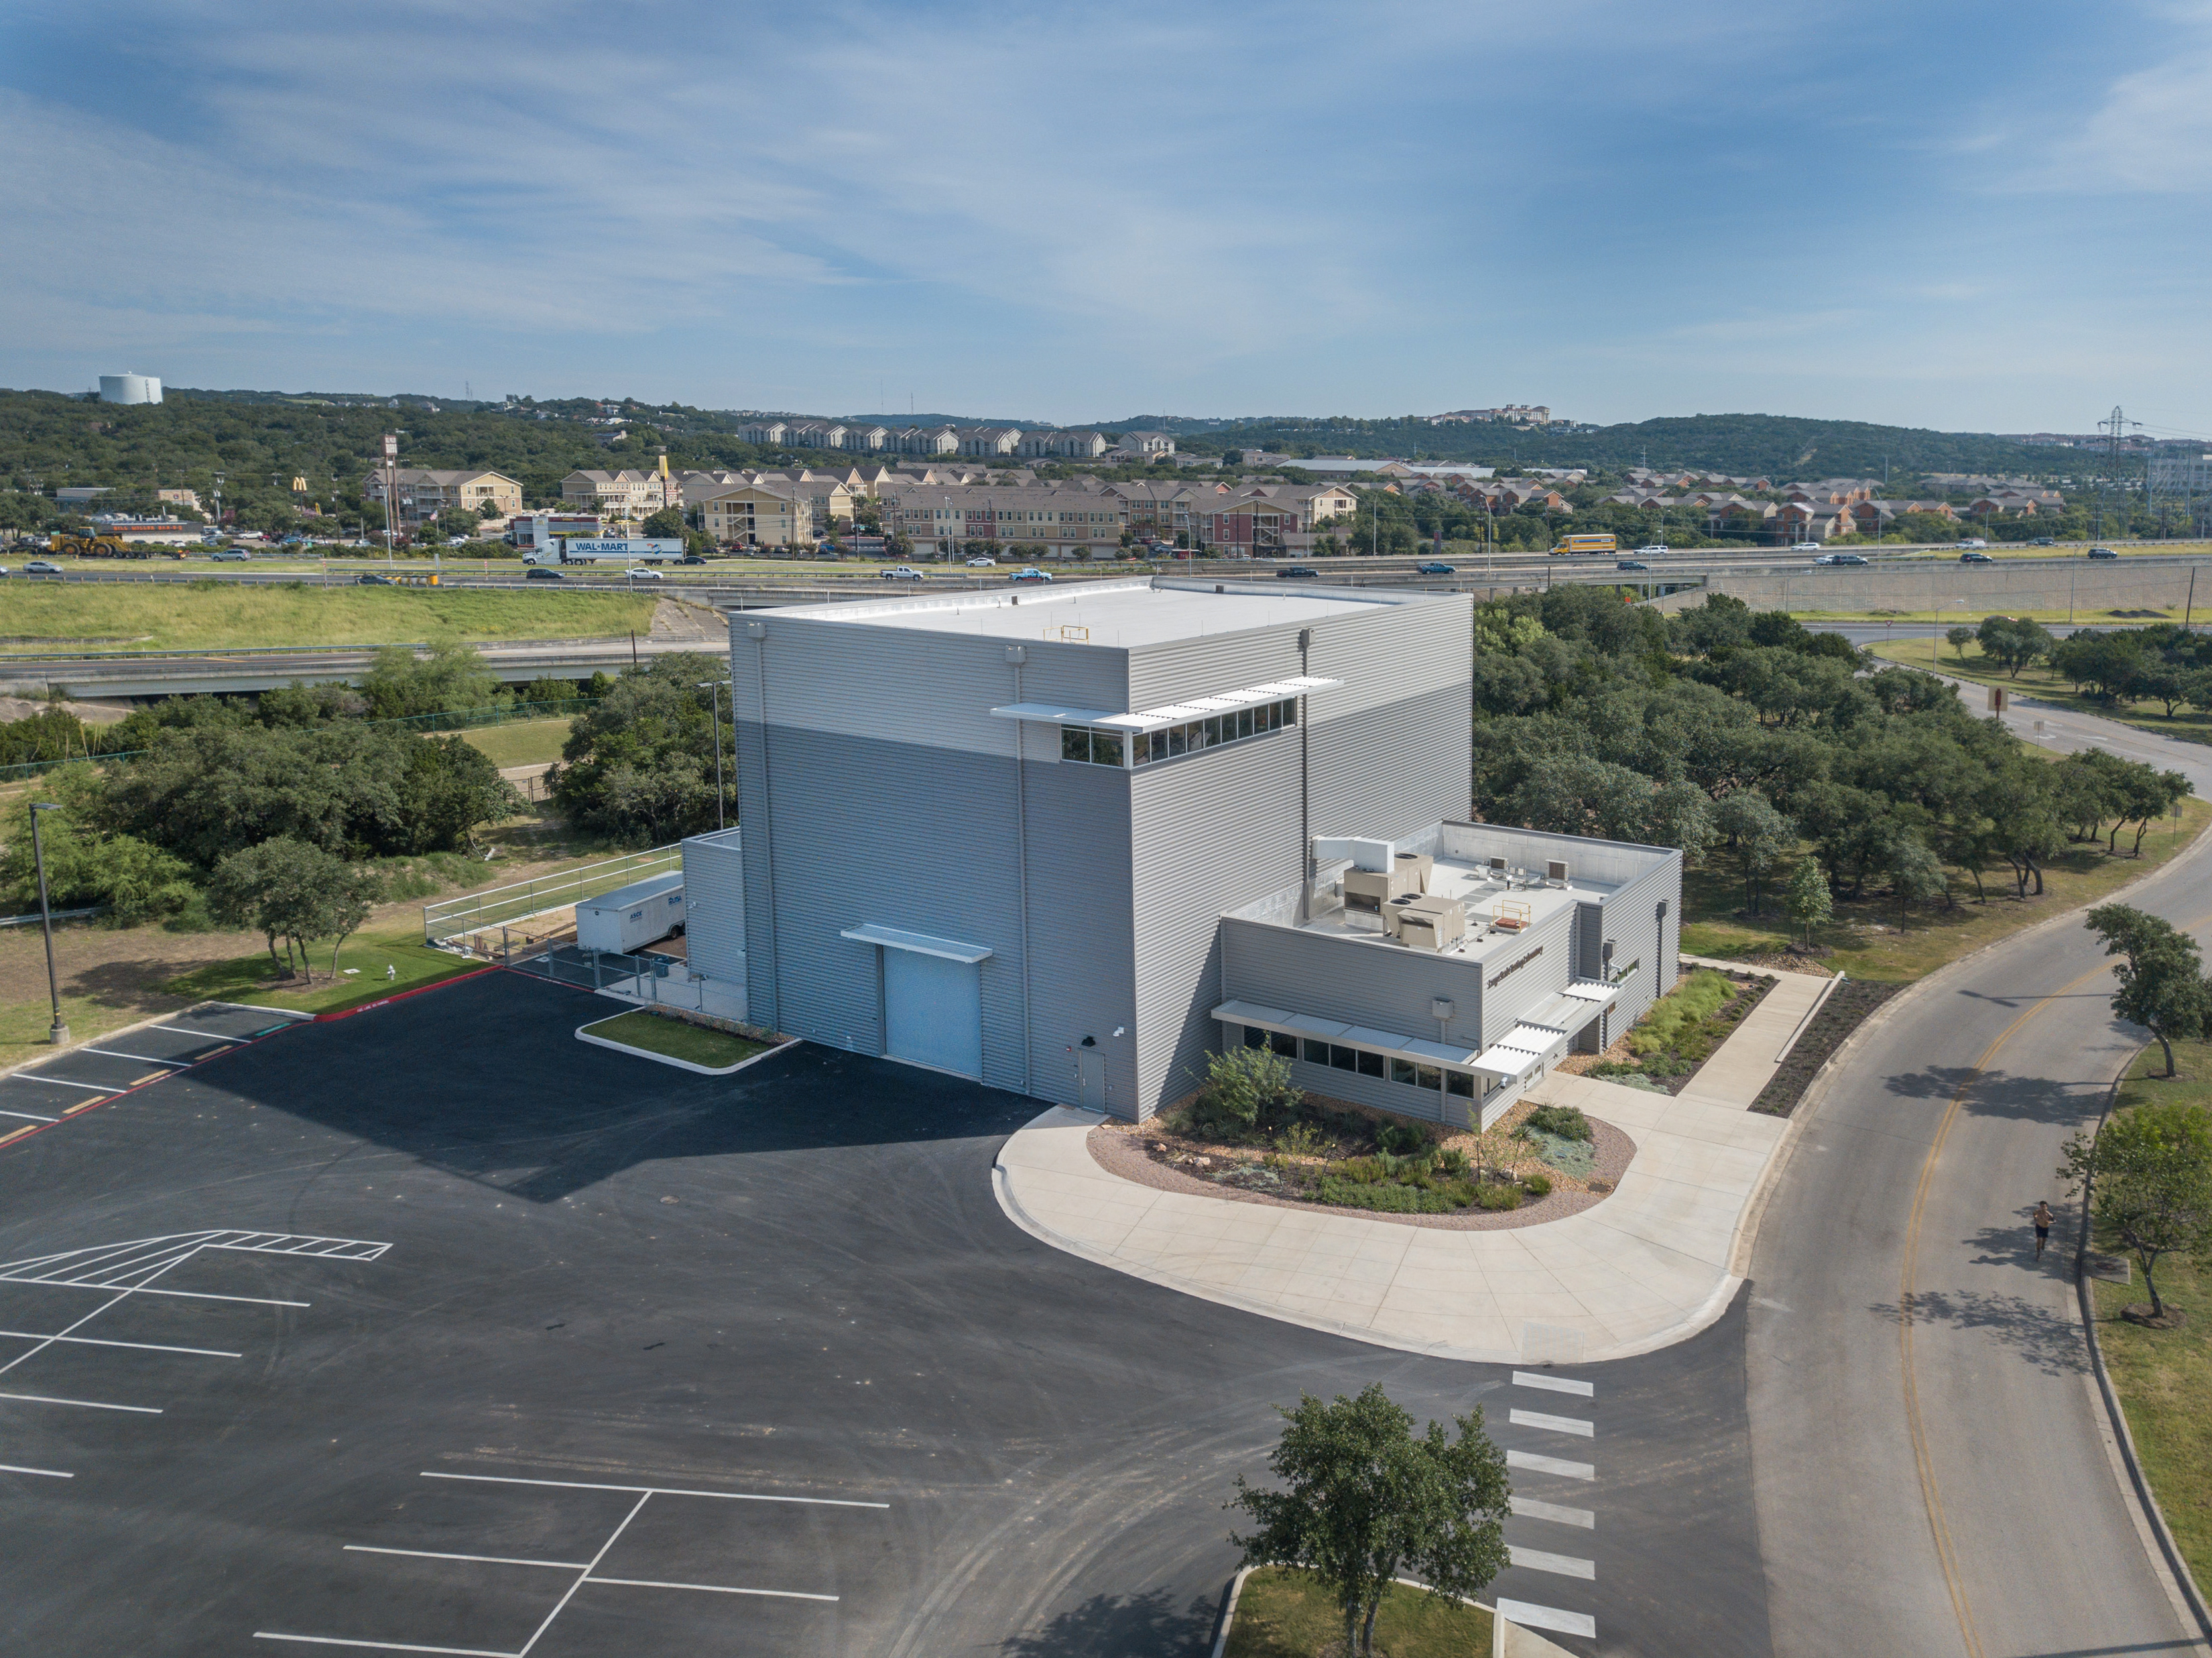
column 1570, row 545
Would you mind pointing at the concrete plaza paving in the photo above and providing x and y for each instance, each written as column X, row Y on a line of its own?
column 1648, row 1266
column 1746, row 1061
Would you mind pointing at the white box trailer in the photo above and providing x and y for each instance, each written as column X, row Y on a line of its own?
column 611, row 549
column 633, row 916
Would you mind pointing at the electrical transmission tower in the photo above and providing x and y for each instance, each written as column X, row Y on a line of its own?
column 2114, row 483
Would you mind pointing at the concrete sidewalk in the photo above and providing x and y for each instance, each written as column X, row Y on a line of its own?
column 1647, row 1267
column 1743, row 1065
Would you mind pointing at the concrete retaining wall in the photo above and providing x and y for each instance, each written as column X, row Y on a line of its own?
column 1973, row 591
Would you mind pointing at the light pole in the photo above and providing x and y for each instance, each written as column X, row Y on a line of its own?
column 58, row 1034
column 713, row 688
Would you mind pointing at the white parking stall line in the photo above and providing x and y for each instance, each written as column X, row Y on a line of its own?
column 1529, row 1615
column 209, row 1036
column 1555, row 1424
column 141, row 1346
column 1550, row 1465
column 33, row 1115
column 141, row 1059
column 1553, row 1384
column 585, row 1572
column 45, row 1341
column 481, row 1559
column 1563, row 1565
column 44, row 1473
column 88, row 1404
column 41, row 1076
column 381, row 1646
column 659, row 1490
column 711, row 1589
column 1558, row 1513
column 187, row 1294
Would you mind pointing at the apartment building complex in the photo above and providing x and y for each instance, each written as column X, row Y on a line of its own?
column 423, row 493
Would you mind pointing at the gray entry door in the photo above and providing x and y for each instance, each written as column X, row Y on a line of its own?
column 933, row 1011
column 1090, row 1078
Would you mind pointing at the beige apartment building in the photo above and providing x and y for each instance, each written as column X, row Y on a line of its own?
column 784, row 513
column 423, row 493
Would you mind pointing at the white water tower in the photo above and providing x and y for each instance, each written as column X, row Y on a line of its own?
column 130, row 388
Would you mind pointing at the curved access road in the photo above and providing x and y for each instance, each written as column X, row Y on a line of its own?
column 1930, row 1459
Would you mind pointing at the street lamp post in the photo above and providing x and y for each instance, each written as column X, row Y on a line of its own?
column 59, row 1035
column 713, row 688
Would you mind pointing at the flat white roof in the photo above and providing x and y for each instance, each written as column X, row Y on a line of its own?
column 1115, row 614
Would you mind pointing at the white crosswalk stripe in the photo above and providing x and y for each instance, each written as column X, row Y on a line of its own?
column 1550, row 1465
column 1565, row 1565
column 1553, row 1384
column 1536, row 1522
column 1555, row 1424
column 1558, row 1513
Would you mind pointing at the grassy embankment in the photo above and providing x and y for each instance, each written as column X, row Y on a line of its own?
column 2164, row 1377
column 228, row 617
column 362, row 964
column 1288, row 1614
column 676, row 1039
column 1865, row 940
column 2191, row 725
column 526, row 742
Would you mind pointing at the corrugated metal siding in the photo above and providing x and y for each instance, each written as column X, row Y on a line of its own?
column 1637, row 935
column 1330, row 977
column 907, row 686
column 1085, row 980
column 1390, row 771
column 1165, row 673
column 1544, row 976
column 714, row 905
column 1208, row 832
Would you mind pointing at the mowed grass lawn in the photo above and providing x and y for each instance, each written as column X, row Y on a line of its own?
column 2164, row 1377
column 2191, row 725
column 1863, row 939
column 1290, row 1614
column 228, row 617
column 675, row 1039
column 253, row 979
column 526, row 742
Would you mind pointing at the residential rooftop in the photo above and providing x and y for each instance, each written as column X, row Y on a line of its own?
column 1117, row 615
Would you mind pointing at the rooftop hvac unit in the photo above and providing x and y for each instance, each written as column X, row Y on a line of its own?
column 1370, row 890
column 1497, row 866
column 1428, row 923
column 1555, row 871
column 1420, row 865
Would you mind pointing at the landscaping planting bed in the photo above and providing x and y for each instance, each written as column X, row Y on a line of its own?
column 1339, row 1157
column 1663, row 1050
column 1848, row 1006
column 676, row 1039
column 1283, row 1613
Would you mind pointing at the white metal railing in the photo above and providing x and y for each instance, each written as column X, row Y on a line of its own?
column 450, row 917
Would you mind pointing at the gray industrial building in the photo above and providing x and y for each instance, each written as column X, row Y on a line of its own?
column 1068, row 841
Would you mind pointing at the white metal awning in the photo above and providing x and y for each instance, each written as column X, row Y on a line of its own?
column 1421, row 1050
column 897, row 938
column 1584, row 989
column 1154, row 719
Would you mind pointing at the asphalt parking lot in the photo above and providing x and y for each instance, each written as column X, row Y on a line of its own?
column 435, row 1330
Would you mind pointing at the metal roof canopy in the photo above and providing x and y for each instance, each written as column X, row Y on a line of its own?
column 897, row 938
column 1153, row 719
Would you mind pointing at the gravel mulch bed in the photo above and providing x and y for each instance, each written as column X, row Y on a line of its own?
column 1123, row 1149
column 1848, row 1006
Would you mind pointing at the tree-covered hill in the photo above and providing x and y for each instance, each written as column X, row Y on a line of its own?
column 1774, row 446
column 261, row 441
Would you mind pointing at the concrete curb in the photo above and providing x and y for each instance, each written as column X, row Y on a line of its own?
column 1824, row 1080
column 1708, row 1312
column 2085, row 1299
column 1227, row 1616
column 583, row 1034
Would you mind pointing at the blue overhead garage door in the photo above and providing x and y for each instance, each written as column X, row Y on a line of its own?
column 933, row 998
column 933, row 1011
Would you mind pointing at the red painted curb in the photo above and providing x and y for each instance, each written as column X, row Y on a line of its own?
column 386, row 1001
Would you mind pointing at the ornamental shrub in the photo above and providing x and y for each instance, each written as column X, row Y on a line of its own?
column 1565, row 1121
column 1537, row 1186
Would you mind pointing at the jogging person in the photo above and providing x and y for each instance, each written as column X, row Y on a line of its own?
column 2042, row 1227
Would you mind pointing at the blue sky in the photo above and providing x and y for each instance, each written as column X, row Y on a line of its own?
column 1969, row 217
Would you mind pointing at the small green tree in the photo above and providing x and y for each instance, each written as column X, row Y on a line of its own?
column 1759, row 834
column 292, row 890
column 1959, row 637
column 1365, row 1501
column 2160, row 987
column 1915, row 875
column 1808, row 902
column 1245, row 1089
column 2149, row 1172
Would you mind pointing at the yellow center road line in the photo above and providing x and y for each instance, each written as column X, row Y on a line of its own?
column 1945, row 1554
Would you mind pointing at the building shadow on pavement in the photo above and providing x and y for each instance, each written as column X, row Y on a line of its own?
column 484, row 1079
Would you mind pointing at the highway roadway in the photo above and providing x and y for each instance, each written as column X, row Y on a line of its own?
column 1931, row 1466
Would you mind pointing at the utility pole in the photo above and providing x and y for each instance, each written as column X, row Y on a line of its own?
column 58, row 1034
